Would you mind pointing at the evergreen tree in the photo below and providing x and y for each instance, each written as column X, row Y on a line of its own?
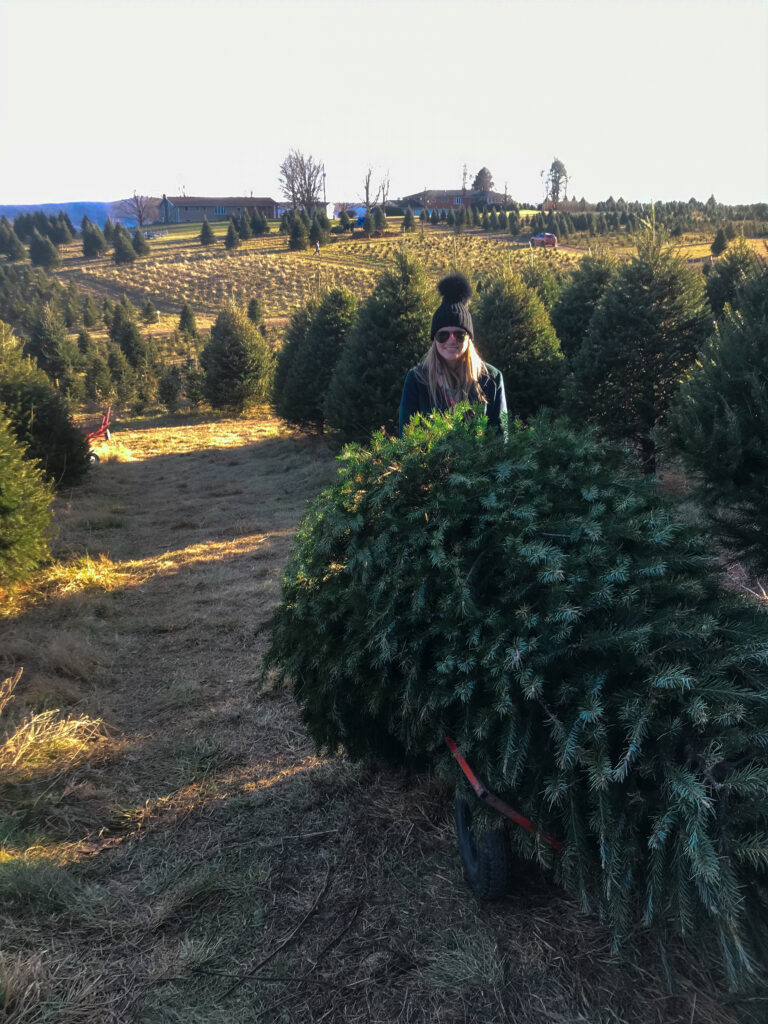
column 49, row 345
column 513, row 222
column 207, row 236
column 90, row 313
column 169, row 388
column 298, row 239
column 315, row 232
column 368, row 225
column 540, row 273
column 194, row 382
column 72, row 314
column 486, row 221
column 285, row 224
column 94, row 242
column 494, row 221
column 124, row 251
column 580, row 297
column 237, row 361
column 409, row 221
column 652, row 320
column 122, row 376
column 85, row 346
column 390, row 336
column 719, row 425
column 312, row 365
column 255, row 312
column 187, row 321
column 10, row 243
column 502, row 220
column 344, row 221
column 109, row 231
column 514, row 334
column 379, row 220
column 25, row 514
column 99, row 386
column 729, row 274
column 40, row 420
column 547, row 608
column 434, row 219
column 720, row 243
column 123, row 315
column 293, row 339
column 450, row 220
column 107, row 312
column 232, row 239
column 324, row 225
column 140, row 244
column 244, row 227
column 42, row 252
column 149, row 313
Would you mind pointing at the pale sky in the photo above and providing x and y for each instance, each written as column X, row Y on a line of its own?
column 660, row 99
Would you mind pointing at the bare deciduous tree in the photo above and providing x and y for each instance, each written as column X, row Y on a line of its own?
column 301, row 178
column 384, row 189
column 368, row 191
column 142, row 209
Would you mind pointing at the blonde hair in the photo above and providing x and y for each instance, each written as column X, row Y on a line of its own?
column 463, row 374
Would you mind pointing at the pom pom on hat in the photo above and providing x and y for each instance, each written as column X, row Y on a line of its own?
column 455, row 288
column 453, row 311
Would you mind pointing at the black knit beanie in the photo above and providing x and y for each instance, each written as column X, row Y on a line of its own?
column 453, row 311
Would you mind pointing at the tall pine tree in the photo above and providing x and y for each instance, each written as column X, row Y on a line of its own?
column 303, row 393
column 237, row 361
column 390, row 336
column 719, row 425
column 514, row 334
column 652, row 320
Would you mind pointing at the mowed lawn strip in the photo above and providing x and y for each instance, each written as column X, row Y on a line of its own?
column 205, row 864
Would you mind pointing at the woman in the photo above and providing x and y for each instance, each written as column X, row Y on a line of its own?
column 452, row 371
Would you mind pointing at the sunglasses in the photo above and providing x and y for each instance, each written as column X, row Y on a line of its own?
column 445, row 335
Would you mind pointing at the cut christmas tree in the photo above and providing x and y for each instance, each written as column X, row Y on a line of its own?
column 540, row 602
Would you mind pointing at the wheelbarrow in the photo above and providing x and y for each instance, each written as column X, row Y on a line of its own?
column 101, row 431
column 486, row 854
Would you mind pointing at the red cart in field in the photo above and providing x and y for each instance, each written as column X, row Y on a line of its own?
column 101, row 431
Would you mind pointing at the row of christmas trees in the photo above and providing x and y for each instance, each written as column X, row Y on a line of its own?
column 613, row 349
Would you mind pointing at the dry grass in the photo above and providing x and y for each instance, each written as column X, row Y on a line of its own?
column 43, row 744
column 209, row 866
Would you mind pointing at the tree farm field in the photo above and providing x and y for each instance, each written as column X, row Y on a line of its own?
column 186, row 855
column 179, row 269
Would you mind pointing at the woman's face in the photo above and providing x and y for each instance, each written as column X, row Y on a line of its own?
column 452, row 343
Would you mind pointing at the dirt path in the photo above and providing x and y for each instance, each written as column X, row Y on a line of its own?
column 210, row 867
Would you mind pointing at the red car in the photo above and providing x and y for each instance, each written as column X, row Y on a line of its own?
column 545, row 238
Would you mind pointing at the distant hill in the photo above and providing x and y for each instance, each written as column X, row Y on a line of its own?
column 97, row 212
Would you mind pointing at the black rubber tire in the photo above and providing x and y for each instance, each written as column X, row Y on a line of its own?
column 485, row 855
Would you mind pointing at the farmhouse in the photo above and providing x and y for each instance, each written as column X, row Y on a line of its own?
column 451, row 199
column 191, row 209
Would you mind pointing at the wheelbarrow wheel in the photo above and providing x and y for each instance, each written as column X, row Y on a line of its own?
column 485, row 854
column 93, row 458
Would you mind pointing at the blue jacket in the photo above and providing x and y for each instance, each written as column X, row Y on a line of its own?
column 416, row 398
